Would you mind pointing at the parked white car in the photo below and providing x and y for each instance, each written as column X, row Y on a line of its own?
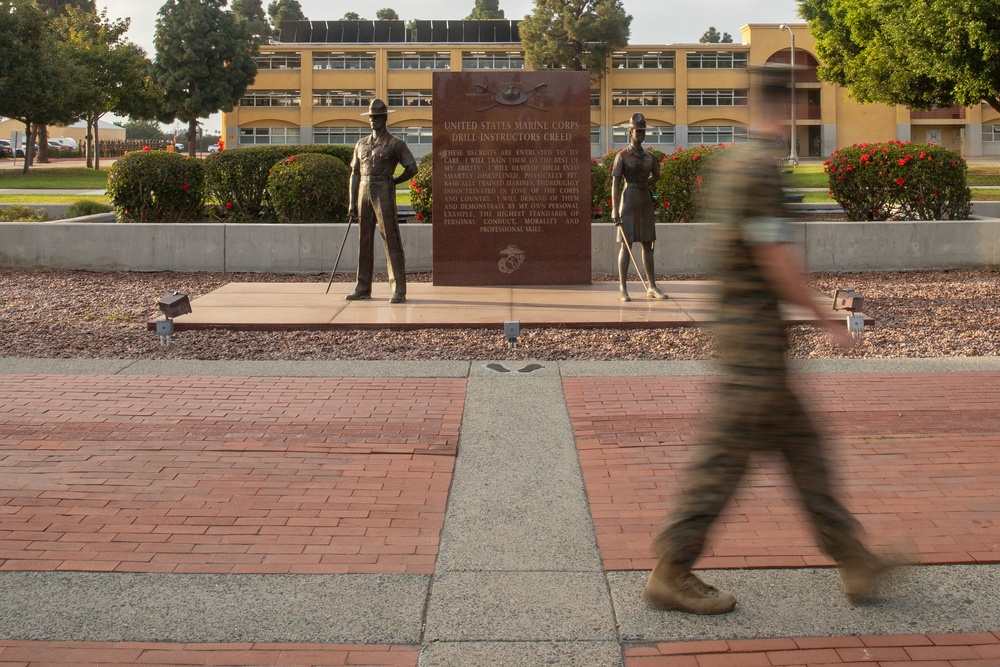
column 65, row 142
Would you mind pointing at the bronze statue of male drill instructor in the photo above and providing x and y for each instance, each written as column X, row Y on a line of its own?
column 373, row 202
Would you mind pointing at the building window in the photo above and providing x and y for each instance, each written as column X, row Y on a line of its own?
column 643, row 98
column 279, row 61
column 595, row 98
column 991, row 133
column 343, row 136
column 639, row 60
column 413, row 135
column 717, row 134
column 256, row 136
column 270, row 98
column 595, row 135
column 342, row 98
column 717, row 97
column 419, row 60
column 344, row 60
column 656, row 135
column 492, row 60
column 409, row 98
column 717, row 59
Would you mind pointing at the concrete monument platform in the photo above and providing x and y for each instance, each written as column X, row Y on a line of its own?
column 306, row 306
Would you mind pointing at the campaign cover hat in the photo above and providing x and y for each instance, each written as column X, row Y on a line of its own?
column 378, row 108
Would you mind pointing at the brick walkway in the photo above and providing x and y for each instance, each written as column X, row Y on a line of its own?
column 236, row 475
column 955, row 650
column 918, row 460
column 225, row 475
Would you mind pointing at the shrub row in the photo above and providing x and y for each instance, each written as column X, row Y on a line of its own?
column 258, row 184
column 880, row 181
column 899, row 181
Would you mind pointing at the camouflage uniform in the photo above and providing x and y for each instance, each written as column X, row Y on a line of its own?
column 756, row 409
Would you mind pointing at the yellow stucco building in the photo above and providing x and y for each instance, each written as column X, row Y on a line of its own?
column 313, row 85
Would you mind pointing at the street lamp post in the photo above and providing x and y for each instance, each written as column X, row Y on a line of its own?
column 793, row 154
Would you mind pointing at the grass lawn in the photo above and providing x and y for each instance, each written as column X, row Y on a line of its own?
column 813, row 176
column 51, row 199
column 50, row 179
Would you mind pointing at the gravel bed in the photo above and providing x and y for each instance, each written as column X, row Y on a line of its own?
column 78, row 314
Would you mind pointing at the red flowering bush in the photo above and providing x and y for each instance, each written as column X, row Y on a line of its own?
column 899, row 181
column 157, row 186
column 309, row 188
column 680, row 191
column 420, row 189
column 600, row 186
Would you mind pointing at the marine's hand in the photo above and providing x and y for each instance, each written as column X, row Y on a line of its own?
column 841, row 337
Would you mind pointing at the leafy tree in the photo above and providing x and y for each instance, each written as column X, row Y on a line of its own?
column 39, row 79
column 205, row 59
column 144, row 130
column 387, row 14
column 712, row 36
column 351, row 16
column 916, row 53
column 115, row 71
column 574, row 34
column 252, row 11
column 284, row 10
column 485, row 10
column 54, row 7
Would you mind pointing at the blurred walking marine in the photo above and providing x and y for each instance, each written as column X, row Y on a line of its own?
column 632, row 207
column 756, row 409
column 373, row 202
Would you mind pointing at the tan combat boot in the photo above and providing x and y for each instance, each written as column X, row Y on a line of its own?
column 673, row 586
column 861, row 575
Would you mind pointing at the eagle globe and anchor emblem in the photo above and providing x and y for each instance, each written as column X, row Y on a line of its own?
column 513, row 258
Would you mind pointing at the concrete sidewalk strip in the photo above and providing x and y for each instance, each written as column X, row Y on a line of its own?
column 810, row 602
column 105, row 607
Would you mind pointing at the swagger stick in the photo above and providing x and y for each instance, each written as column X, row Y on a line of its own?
column 350, row 219
column 628, row 246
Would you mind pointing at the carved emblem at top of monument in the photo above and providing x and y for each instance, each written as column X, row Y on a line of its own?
column 510, row 96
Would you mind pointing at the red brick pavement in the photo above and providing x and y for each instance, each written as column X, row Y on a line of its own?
column 917, row 455
column 951, row 650
column 225, row 475
column 98, row 654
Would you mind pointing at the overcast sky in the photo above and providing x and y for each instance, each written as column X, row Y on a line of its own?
column 653, row 21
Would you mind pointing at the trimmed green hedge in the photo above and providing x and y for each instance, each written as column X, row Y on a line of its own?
column 157, row 186
column 899, row 181
column 236, row 179
column 310, row 187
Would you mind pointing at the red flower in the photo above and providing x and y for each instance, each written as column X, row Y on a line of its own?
column 145, row 148
column 229, row 205
column 290, row 160
column 185, row 187
column 417, row 190
column 922, row 155
column 420, row 216
column 900, row 181
column 695, row 157
column 901, row 162
column 698, row 180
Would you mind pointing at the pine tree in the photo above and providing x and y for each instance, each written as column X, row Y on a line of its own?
column 575, row 34
column 205, row 60
column 485, row 10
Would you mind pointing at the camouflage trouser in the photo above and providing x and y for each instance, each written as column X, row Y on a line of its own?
column 752, row 418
